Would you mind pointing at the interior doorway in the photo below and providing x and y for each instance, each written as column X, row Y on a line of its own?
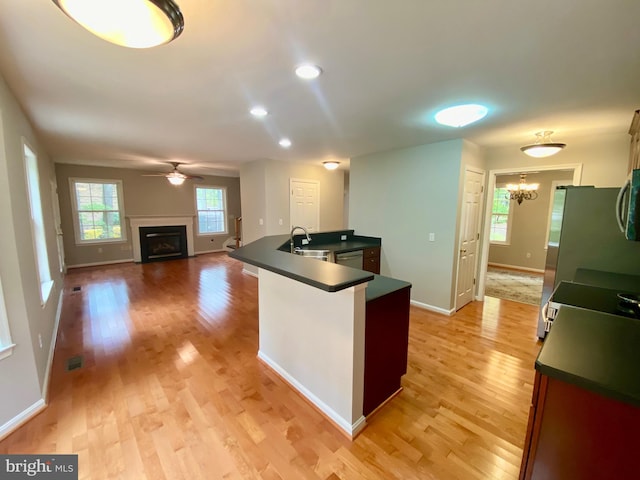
column 469, row 235
column 491, row 186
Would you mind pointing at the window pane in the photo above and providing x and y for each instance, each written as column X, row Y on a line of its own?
column 211, row 222
column 98, row 209
column 498, row 228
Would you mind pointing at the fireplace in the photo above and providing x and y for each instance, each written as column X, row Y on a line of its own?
column 163, row 243
column 139, row 222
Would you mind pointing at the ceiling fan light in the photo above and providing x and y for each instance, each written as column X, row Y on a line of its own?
column 128, row 23
column 543, row 147
column 176, row 178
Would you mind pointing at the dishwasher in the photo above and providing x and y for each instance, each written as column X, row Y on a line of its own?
column 350, row 259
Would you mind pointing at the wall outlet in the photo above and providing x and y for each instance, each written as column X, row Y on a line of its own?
column 280, row 222
column 40, row 340
column 528, row 254
column 343, row 237
column 99, row 249
column 432, row 237
column 261, row 222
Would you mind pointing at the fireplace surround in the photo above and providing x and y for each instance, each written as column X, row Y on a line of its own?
column 136, row 222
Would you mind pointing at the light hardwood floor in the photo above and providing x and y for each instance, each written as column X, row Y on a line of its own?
column 171, row 387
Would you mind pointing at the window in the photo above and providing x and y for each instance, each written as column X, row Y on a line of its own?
column 98, row 209
column 37, row 223
column 500, row 217
column 211, row 206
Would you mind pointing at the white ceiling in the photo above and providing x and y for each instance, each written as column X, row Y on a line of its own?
column 572, row 66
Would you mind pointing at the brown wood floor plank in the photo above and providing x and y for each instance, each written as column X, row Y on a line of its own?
column 171, row 387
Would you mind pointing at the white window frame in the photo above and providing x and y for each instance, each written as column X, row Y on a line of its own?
column 76, row 215
column 38, row 233
column 224, row 210
column 507, row 240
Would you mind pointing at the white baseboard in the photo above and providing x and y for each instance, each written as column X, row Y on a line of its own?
column 54, row 337
column 350, row 429
column 96, row 264
column 431, row 308
column 23, row 417
column 516, row 267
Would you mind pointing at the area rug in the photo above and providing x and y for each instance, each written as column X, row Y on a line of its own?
column 523, row 287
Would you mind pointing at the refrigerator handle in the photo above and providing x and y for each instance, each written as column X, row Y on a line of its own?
column 620, row 207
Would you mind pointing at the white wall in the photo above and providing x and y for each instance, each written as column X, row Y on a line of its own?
column 604, row 158
column 264, row 190
column 402, row 196
column 23, row 375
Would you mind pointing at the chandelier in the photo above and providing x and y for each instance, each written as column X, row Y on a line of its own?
column 523, row 190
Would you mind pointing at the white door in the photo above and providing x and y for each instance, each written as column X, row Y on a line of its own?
column 469, row 236
column 304, row 210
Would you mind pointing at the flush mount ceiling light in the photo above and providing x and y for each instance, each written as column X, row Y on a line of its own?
column 259, row 112
column 284, row 143
column 543, row 147
column 331, row 165
column 129, row 23
column 308, row 71
column 523, row 190
column 461, row 115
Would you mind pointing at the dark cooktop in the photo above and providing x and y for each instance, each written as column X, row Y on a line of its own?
column 592, row 298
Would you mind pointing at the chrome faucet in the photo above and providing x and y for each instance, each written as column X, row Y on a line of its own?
column 291, row 237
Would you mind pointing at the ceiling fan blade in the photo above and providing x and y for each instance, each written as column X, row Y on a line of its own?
column 154, row 174
column 193, row 177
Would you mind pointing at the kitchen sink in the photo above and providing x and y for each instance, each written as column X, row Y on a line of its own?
column 316, row 254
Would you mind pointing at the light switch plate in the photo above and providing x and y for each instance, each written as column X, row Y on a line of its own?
column 305, row 241
column 432, row 237
column 343, row 237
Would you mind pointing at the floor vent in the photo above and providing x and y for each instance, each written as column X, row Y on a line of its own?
column 77, row 289
column 74, row 363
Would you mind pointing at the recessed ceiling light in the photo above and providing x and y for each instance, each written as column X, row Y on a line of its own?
column 461, row 115
column 259, row 112
column 308, row 71
column 285, row 143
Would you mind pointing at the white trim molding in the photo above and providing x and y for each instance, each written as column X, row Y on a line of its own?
column 164, row 221
column 23, row 417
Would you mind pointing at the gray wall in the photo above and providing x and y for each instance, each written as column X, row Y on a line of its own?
column 24, row 374
column 402, row 196
column 142, row 196
column 529, row 223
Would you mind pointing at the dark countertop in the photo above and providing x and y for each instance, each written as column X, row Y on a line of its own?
column 381, row 286
column 595, row 351
column 587, row 296
column 326, row 276
column 271, row 253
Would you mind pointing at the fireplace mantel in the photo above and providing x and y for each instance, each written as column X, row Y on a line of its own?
column 150, row 221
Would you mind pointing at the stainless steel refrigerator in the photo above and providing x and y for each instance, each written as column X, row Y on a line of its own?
column 585, row 244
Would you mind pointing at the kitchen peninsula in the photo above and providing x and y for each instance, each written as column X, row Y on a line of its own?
column 337, row 334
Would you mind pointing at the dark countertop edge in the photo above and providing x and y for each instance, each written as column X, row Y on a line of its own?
column 265, row 253
column 587, row 384
column 355, row 242
column 260, row 253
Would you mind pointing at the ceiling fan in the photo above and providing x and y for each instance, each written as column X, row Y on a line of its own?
column 175, row 177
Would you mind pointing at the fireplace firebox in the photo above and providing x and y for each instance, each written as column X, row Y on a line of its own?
column 163, row 243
